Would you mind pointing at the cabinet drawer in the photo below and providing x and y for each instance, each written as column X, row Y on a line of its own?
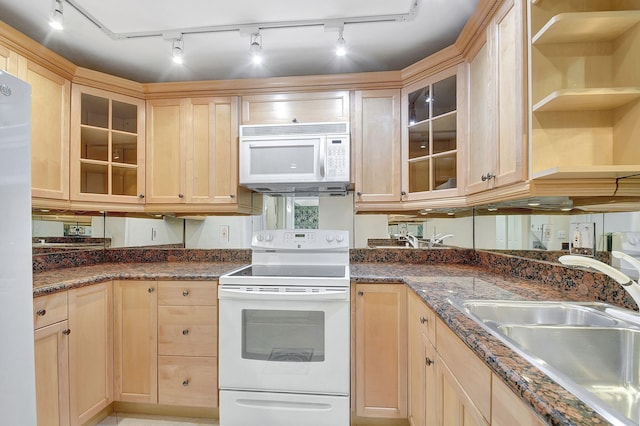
column 426, row 319
column 177, row 293
column 49, row 309
column 187, row 330
column 190, row 381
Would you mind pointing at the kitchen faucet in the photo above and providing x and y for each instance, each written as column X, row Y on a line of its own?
column 630, row 286
column 412, row 240
column 437, row 239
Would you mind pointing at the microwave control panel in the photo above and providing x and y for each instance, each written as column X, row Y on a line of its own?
column 337, row 158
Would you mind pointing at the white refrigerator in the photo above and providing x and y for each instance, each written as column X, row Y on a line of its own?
column 17, row 375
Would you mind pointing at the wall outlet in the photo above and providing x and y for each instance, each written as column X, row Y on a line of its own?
column 224, row 233
column 562, row 235
column 154, row 234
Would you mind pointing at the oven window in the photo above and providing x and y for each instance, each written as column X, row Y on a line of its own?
column 285, row 336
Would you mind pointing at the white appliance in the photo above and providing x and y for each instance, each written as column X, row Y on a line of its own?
column 296, row 158
column 17, row 377
column 284, row 340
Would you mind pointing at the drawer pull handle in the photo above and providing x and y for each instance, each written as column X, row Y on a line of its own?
column 428, row 361
column 151, row 289
column 41, row 312
column 66, row 332
column 185, row 293
column 185, row 332
column 185, row 383
column 423, row 320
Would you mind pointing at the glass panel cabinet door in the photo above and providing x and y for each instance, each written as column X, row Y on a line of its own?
column 430, row 139
column 107, row 136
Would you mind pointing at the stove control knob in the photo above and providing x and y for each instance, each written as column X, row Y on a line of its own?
column 339, row 238
column 330, row 238
column 259, row 237
column 269, row 237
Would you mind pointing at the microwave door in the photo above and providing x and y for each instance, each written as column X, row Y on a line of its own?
column 291, row 160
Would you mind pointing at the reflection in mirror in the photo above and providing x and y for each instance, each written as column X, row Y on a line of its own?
column 57, row 231
column 550, row 225
column 434, row 229
column 152, row 230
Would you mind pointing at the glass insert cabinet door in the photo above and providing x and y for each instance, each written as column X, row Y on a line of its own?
column 107, row 145
column 430, row 139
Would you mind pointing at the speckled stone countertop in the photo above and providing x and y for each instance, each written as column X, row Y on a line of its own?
column 434, row 282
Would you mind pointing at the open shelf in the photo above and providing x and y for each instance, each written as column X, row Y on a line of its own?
column 587, row 99
column 586, row 26
column 588, row 172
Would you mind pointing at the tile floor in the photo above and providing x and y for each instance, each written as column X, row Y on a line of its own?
column 125, row 419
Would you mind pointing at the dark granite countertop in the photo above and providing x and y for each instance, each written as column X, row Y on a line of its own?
column 435, row 283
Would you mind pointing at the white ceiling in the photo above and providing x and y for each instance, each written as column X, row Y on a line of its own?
column 376, row 46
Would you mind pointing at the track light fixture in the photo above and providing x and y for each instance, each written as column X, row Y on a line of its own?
column 341, row 45
column 177, row 51
column 57, row 18
column 255, row 48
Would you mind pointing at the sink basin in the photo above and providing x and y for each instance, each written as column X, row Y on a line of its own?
column 600, row 365
column 591, row 349
column 549, row 313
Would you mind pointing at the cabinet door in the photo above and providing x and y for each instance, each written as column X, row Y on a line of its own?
column 377, row 146
column 507, row 409
column 8, row 60
column 107, row 146
column 166, row 150
column 455, row 407
column 213, row 150
column 52, row 374
column 381, row 350
column 50, row 109
column 90, row 351
column 135, row 341
column 283, row 108
column 497, row 120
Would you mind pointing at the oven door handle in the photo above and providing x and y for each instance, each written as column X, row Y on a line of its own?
column 340, row 294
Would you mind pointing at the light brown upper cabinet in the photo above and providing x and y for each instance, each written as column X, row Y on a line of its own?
column 431, row 137
column 50, row 106
column 585, row 89
column 107, row 146
column 281, row 108
column 376, row 138
column 192, row 152
column 496, row 126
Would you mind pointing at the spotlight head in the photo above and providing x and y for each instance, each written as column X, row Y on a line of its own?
column 341, row 46
column 57, row 18
column 177, row 51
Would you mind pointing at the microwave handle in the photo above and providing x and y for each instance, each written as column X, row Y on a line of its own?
column 321, row 157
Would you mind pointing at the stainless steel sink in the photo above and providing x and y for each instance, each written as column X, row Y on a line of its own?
column 591, row 349
column 550, row 313
column 598, row 364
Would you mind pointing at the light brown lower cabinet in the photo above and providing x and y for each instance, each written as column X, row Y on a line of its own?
column 52, row 374
column 507, row 409
column 135, row 341
column 90, row 351
column 381, row 351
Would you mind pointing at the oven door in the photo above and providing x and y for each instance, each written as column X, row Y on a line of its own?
column 284, row 339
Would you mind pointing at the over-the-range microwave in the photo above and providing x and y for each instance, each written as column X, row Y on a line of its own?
column 296, row 158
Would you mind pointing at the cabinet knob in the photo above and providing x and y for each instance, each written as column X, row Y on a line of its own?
column 361, row 293
column 487, row 176
column 423, row 320
column 180, row 195
column 185, row 332
column 232, row 195
column 185, row 293
column 151, row 289
column 359, row 194
column 428, row 361
column 185, row 382
column 41, row 312
column 141, row 196
column 66, row 332
column 403, row 193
